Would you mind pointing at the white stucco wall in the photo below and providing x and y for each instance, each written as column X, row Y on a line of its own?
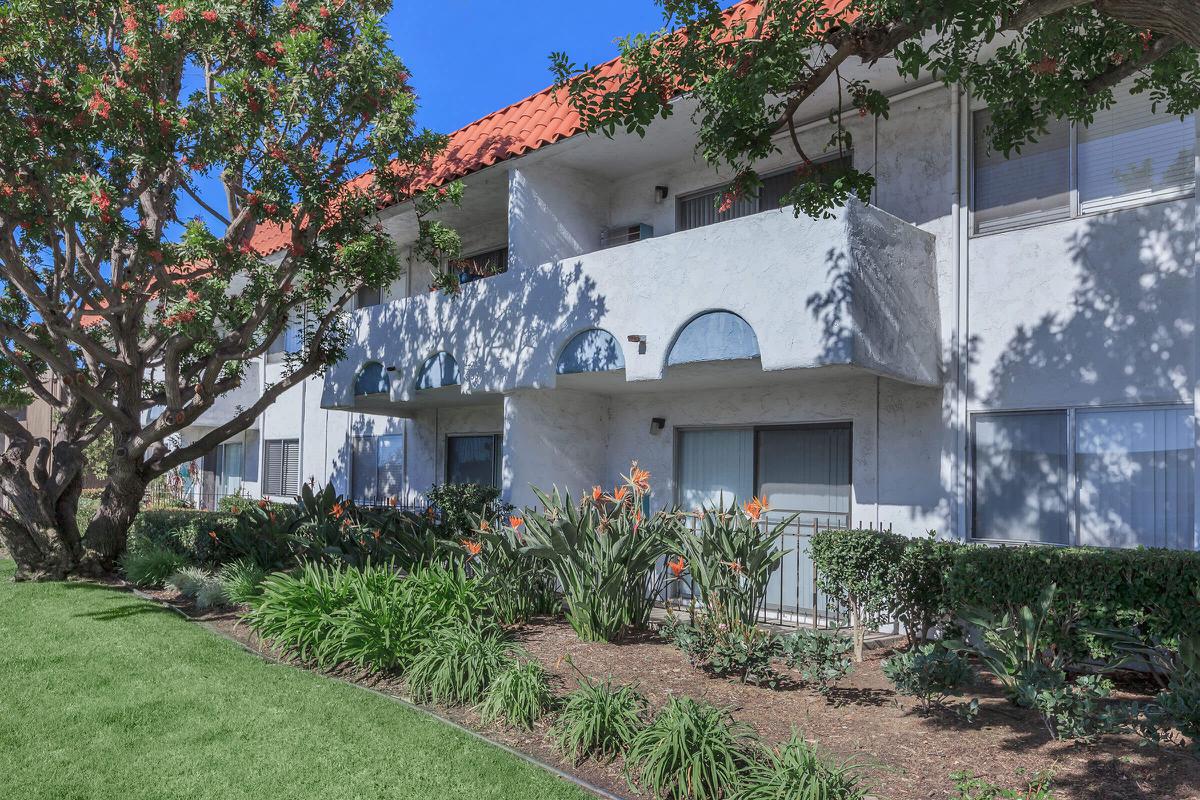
column 557, row 438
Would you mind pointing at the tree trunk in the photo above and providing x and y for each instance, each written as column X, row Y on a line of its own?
column 108, row 533
column 37, row 521
column 858, row 631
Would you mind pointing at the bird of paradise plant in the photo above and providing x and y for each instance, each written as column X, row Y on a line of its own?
column 731, row 555
column 603, row 552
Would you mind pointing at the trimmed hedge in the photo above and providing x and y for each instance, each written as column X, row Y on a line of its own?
column 186, row 532
column 1152, row 589
column 924, row 582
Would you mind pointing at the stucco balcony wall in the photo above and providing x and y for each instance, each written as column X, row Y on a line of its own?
column 858, row 291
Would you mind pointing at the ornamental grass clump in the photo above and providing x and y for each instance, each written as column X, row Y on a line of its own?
column 690, row 751
column 372, row 617
column 242, row 580
column 602, row 550
column 151, row 565
column 518, row 697
column 797, row 771
column 598, row 720
column 457, row 665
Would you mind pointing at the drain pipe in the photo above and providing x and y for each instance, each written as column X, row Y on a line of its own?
column 958, row 408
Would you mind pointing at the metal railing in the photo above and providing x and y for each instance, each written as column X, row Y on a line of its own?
column 793, row 597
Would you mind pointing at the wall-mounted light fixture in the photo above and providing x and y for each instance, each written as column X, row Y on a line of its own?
column 391, row 369
column 656, row 425
column 661, row 193
column 639, row 340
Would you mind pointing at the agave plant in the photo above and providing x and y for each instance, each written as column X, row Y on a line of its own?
column 603, row 551
column 731, row 556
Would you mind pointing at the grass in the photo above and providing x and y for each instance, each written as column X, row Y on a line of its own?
column 103, row 695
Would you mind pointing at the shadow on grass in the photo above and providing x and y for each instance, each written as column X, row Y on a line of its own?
column 124, row 611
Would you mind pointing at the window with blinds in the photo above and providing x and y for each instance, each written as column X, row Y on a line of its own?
column 703, row 208
column 1129, row 155
column 281, row 477
column 377, row 468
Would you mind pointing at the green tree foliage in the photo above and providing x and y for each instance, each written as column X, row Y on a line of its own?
column 754, row 72
column 125, row 317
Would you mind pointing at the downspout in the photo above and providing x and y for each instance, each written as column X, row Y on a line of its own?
column 958, row 414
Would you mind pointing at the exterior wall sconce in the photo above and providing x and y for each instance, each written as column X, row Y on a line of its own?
column 391, row 368
column 640, row 341
column 661, row 193
column 656, row 425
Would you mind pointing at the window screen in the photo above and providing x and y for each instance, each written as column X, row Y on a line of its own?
column 282, row 476
column 1031, row 186
column 368, row 296
column 1020, row 477
column 1130, row 153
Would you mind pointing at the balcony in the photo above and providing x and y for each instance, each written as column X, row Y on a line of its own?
column 748, row 300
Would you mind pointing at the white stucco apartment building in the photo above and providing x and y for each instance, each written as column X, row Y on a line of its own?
column 999, row 349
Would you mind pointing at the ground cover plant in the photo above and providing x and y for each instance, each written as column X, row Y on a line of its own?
column 167, row 710
column 797, row 771
column 598, row 720
column 722, row 646
column 690, row 750
column 931, row 673
column 518, row 696
column 820, row 658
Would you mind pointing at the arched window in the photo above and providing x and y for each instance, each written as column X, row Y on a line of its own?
column 372, row 379
column 438, row 370
column 714, row 336
column 594, row 350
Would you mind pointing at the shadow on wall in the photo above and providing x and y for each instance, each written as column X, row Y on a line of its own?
column 1125, row 333
column 530, row 319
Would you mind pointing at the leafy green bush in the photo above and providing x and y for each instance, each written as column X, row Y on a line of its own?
column 598, row 720
column 373, row 616
column 797, row 770
column 731, row 556
column 461, row 505
column 820, row 658
column 1024, row 651
column 919, row 599
column 970, row 787
column 690, row 750
column 519, row 696
column 89, row 504
column 242, row 581
column 196, row 535
column 151, row 565
column 857, row 568
column 930, row 673
column 723, row 647
column 602, row 552
column 456, row 665
column 1148, row 591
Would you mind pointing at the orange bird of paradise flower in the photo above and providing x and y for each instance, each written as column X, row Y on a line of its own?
column 677, row 566
column 515, row 522
column 619, row 494
column 484, row 526
column 736, row 566
column 639, row 478
column 473, row 548
column 755, row 507
column 597, row 493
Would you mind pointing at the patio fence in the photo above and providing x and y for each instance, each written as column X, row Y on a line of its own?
column 792, row 598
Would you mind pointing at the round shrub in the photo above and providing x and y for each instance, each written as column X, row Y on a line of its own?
column 930, row 673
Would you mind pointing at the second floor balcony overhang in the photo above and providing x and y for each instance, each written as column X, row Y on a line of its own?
column 754, row 299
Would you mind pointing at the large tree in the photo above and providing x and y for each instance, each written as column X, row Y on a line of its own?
column 114, row 116
column 750, row 70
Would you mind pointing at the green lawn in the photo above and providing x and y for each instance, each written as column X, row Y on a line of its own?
column 105, row 696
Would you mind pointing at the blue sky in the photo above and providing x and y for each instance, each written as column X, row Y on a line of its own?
column 471, row 57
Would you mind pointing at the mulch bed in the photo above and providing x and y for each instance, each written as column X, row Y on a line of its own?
column 908, row 756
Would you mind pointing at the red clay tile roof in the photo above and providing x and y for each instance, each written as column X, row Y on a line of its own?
column 527, row 125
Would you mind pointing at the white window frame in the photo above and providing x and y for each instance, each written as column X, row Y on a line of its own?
column 1076, row 210
column 1072, row 472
